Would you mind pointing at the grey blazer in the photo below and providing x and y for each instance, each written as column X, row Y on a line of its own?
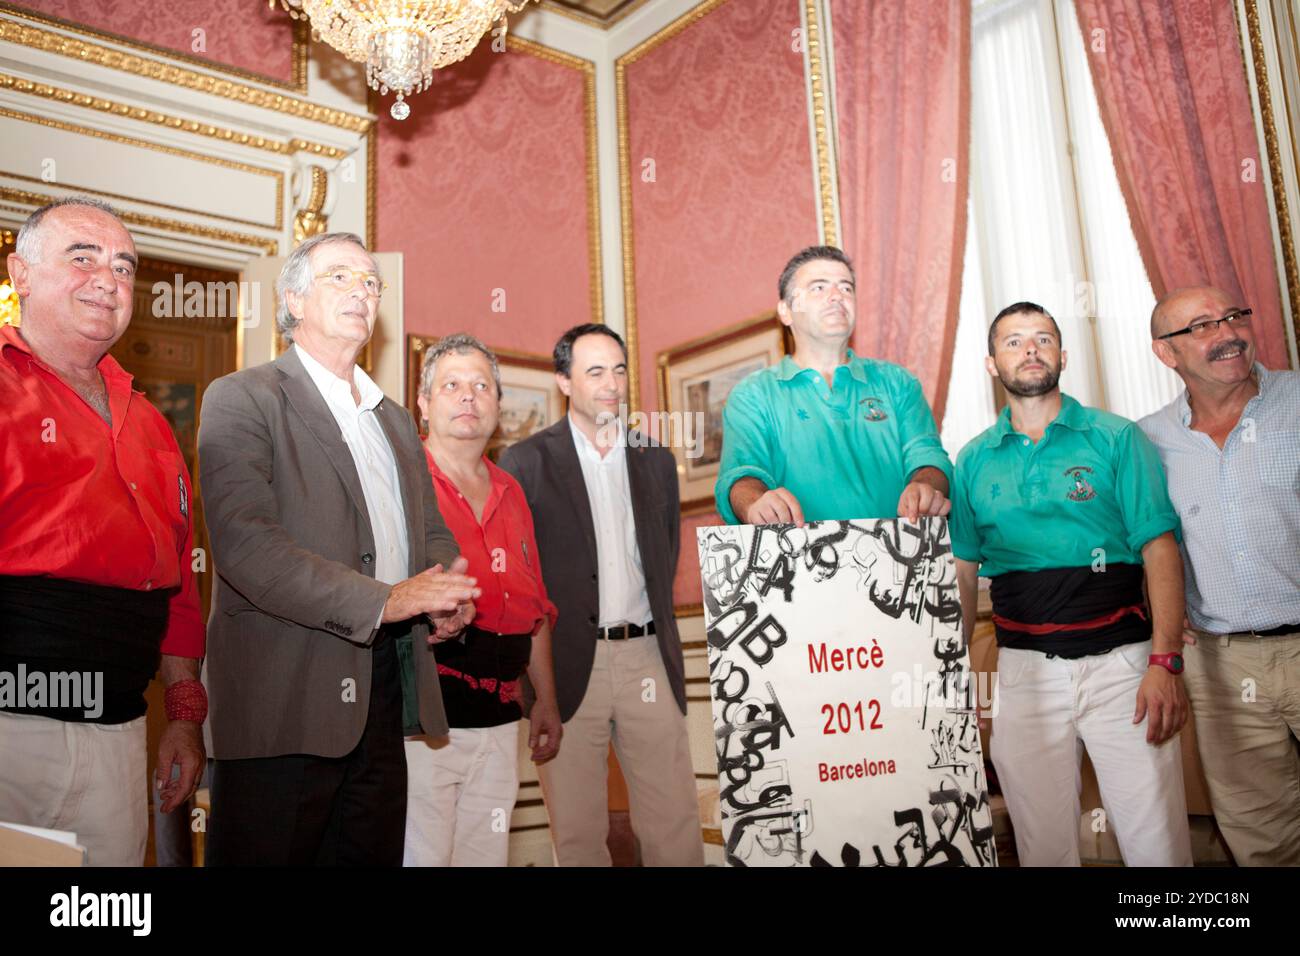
column 296, row 600
column 547, row 467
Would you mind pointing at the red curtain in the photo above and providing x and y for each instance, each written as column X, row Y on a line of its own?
column 902, row 77
column 1172, row 89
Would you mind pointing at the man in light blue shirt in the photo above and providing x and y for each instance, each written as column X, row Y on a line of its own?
column 1230, row 445
column 826, row 434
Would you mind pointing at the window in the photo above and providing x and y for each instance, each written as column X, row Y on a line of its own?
column 1047, row 221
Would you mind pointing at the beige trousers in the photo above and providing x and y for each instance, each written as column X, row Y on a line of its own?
column 1245, row 694
column 85, row 778
column 630, row 701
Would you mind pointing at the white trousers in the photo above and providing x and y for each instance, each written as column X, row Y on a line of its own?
column 85, row 778
column 1049, row 709
column 460, row 792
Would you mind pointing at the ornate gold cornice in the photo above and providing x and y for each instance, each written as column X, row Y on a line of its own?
column 298, row 64
column 1285, row 236
column 821, row 122
column 85, row 100
column 682, row 23
column 582, row 16
column 275, row 175
column 83, row 51
column 30, row 199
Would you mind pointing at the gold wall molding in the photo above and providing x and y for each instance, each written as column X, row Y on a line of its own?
column 86, row 101
column 298, row 64
column 310, row 220
column 682, row 23
column 821, row 122
column 268, row 247
column 595, row 273
column 275, row 175
column 1272, row 150
column 372, row 188
column 148, row 202
column 83, row 51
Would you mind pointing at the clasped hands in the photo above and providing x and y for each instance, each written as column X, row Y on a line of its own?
column 446, row 597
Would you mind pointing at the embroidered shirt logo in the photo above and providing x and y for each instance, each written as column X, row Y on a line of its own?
column 1082, row 490
column 874, row 413
column 803, row 415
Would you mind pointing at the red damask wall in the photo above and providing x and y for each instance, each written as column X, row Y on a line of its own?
column 484, row 188
column 246, row 35
column 720, row 110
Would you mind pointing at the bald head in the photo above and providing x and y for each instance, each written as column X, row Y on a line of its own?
column 1179, row 308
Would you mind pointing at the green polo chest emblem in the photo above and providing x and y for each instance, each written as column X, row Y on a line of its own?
column 873, row 412
column 1080, row 490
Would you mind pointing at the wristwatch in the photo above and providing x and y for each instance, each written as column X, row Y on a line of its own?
column 1172, row 662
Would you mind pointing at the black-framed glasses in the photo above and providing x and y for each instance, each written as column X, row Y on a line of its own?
column 1199, row 330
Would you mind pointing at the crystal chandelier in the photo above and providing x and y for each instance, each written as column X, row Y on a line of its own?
column 402, row 42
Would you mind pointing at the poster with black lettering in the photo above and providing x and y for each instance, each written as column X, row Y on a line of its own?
column 845, row 716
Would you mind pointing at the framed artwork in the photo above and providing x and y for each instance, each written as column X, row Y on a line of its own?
column 695, row 379
column 530, row 399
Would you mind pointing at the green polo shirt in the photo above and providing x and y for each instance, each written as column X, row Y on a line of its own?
column 843, row 452
column 1092, row 481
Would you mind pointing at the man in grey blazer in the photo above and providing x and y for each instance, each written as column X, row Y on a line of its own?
column 331, row 561
column 605, row 510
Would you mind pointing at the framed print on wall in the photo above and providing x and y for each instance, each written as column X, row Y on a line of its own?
column 695, row 379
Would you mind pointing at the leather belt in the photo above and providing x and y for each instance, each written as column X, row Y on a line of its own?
column 621, row 632
column 1277, row 631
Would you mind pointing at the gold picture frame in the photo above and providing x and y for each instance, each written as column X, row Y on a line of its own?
column 695, row 378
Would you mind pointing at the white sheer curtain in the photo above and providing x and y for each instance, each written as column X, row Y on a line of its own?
column 1043, row 230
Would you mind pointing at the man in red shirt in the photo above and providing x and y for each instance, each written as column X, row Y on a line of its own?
column 461, row 789
column 95, row 563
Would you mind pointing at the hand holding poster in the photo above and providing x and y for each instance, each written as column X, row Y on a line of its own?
column 845, row 717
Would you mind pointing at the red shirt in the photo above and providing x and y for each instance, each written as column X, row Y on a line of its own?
column 502, row 552
column 84, row 502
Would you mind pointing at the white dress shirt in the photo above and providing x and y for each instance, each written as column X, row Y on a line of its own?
column 375, row 461
column 623, row 596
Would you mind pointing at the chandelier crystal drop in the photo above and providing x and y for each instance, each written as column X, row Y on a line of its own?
column 402, row 42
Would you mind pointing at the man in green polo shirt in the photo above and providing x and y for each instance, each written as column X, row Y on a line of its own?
column 826, row 434
column 1065, row 509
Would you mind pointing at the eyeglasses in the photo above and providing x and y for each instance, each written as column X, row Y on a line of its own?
column 1199, row 330
column 345, row 280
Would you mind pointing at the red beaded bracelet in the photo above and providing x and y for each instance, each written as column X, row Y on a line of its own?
column 187, row 700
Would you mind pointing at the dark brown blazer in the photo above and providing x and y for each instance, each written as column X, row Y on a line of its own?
column 547, row 467
column 296, row 600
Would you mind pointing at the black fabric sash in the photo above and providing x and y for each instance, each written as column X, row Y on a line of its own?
column 51, row 626
column 1071, row 597
column 486, row 657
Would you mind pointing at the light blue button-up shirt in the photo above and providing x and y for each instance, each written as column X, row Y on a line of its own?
column 1239, row 506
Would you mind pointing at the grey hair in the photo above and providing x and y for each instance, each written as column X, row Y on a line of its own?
column 296, row 276
column 461, row 343
column 28, row 245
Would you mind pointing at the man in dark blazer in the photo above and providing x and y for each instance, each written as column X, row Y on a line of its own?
column 331, row 561
column 605, row 509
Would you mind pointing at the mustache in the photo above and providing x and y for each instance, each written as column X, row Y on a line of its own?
column 1223, row 348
